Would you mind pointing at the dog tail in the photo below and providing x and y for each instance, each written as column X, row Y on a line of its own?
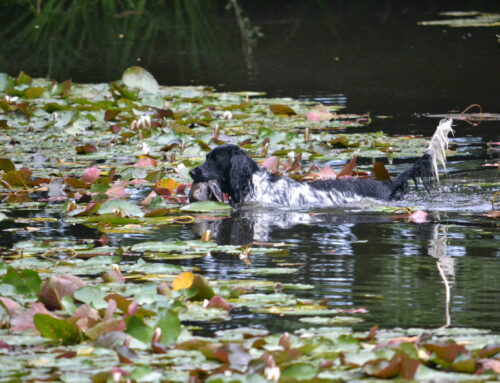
column 426, row 167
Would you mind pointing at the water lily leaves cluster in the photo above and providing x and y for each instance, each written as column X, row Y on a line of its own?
column 115, row 157
column 135, row 329
column 135, row 140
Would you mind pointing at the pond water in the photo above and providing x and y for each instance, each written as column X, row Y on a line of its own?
column 370, row 57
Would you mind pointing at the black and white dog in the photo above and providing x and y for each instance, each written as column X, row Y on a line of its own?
column 228, row 169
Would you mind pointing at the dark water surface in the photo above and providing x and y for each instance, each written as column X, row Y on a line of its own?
column 367, row 56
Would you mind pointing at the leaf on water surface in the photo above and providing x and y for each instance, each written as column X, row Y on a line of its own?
column 206, row 206
column 56, row 287
column 119, row 91
column 34, row 92
column 193, row 286
column 166, row 247
column 194, row 311
column 447, row 350
column 121, row 208
column 6, row 165
column 299, row 310
column 86, row 149
column 336, row 320
column 23, row 79
column 271, row 164
column 137, row 77
column 25, row 282
column 300, row 371
column 61, row 330
column 464, row 363
column 23, row 319
column 170, row 326
column 380, row 172
column 270, row 270
column 490, row 350
column 137, row 328
column 348, row 169
column 281, row 109
column 21, row 177
column 6, row 82
column 76, row 183
column 111, row 340
column 105, row 326
column 167, row 183
column 127, row 306
column 325, row 173
column 235, row 355
column 145, row 162
column 91, row 295
column 111, row 114
column 18, row 199
column 112, row 276
column 117, row 191
column 217, row 302
column 127, row 355
column 10, row 305
column 398, row 366
column 340, row 142
column 56, row 188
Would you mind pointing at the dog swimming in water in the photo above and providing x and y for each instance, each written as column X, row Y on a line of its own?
column 228, row 169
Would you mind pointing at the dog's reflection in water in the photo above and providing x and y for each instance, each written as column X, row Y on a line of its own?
column 255, row 224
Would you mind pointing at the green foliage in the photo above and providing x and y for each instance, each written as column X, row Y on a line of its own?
column 130, row 179
column 60, row 330
column 24, row 282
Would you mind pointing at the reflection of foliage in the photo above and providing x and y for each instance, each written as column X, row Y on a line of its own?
column 249, row 32
column 65, row 38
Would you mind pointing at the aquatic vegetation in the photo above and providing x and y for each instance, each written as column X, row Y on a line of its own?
column 466, row 19
column 115, row 158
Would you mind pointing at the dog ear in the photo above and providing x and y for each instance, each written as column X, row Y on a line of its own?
column 240, row 176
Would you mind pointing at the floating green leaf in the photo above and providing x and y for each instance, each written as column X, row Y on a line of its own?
column 137, row 77
column 6, row 165
column 60, row 330
column 121, row 208
column 24, row 281
column 206, row 206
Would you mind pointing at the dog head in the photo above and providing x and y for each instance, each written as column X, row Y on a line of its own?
column 231, row 167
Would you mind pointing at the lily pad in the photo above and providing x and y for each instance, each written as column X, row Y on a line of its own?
column 137, row 77
column 206, row 206
column 121, row 208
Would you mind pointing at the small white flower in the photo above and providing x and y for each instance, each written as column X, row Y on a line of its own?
column 272, row 372
column 11, row 99
column 227, row 115
column 117, row 376
column 145, row 121
column 145, row 149
column 179, row 168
